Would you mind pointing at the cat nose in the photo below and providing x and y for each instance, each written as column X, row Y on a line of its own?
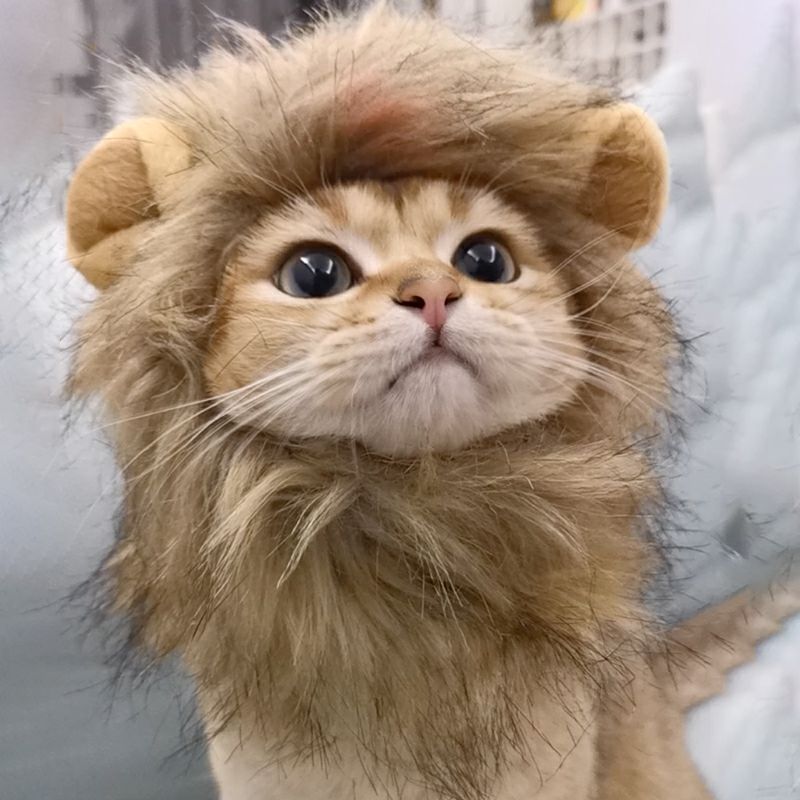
column 431, row 296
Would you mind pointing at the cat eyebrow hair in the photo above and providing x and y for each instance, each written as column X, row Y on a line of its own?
column 332, row 203
column 395, row 192
column 360, row 249
column 461, row 200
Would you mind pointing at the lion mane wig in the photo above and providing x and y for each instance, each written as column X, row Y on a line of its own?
column 434, row 619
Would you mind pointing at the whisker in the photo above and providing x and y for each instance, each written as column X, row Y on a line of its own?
column 603, row 237
column 224, row 414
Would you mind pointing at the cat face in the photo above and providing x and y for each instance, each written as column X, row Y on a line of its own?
column 410, row 316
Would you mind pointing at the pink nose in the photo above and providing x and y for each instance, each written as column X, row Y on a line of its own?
column 431, row 296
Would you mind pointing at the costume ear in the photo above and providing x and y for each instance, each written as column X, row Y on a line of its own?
column 628, row 181
column 117, row 192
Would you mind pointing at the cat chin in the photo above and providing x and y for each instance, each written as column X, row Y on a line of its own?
column 436, row 404
column 439, row 406
column 445, row 404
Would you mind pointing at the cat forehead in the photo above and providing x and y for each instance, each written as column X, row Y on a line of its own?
column 376, row 221
column 379, row 210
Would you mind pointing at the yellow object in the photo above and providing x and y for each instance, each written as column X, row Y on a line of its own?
column 571, row 9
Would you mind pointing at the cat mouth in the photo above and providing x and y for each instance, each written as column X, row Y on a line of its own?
column 434, row 354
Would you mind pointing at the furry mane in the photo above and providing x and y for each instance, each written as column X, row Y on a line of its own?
column 329, row 596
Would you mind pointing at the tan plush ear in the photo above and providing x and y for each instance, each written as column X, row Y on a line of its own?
column 627, row 190
column 118, row 190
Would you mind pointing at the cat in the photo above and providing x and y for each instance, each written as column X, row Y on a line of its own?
column 384, row 387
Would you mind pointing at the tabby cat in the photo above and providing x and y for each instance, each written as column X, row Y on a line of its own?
column 384, row 387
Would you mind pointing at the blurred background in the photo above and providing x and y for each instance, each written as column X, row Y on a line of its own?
column 722, row 78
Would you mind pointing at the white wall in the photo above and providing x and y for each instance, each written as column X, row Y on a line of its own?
column 498, row 18
column 701, row 31
column 38, row 40
column 507, row 13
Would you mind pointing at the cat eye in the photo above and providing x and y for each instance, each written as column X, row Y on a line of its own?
column 483, row 258
column 316, row 271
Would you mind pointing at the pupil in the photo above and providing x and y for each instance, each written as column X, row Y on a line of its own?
column 486, row 261
column 316, row 274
